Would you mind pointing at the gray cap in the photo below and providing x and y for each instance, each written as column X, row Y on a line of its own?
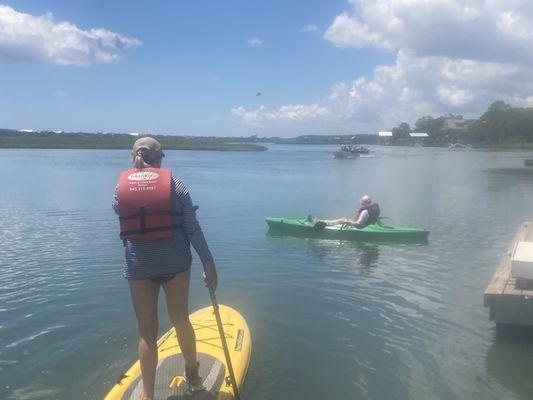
column 148, row 147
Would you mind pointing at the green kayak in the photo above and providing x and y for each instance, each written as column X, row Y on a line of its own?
column 375, row 232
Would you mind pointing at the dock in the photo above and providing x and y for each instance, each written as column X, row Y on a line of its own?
column 511, row 302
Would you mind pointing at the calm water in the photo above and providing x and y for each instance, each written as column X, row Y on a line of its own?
column 329, row 319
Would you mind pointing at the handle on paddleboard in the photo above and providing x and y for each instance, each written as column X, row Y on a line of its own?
column 224, row 344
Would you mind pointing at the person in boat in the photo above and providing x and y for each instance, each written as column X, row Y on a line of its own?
column 158, row 223
column 367, row 213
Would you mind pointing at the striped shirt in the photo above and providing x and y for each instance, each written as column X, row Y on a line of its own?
column 167, row 257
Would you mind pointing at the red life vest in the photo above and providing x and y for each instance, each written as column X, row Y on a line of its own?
column 145, row 204
column 373, row 213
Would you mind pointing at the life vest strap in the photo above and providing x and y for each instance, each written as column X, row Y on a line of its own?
column 140, row 213
column 144, row 230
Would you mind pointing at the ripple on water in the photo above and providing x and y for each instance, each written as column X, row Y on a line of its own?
column 36, row 390
column 329, row 319
column 46, row 331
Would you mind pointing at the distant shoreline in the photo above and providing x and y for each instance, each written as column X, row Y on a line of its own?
column 13, row 139
column 121, row 141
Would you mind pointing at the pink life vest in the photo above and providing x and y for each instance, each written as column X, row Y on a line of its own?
column 373, row 213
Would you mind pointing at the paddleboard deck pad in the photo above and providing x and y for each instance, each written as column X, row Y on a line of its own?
column 170, row 383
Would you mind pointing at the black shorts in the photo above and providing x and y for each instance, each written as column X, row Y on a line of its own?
column 162, row 279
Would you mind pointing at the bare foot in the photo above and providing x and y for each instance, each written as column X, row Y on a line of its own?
column 144, row 396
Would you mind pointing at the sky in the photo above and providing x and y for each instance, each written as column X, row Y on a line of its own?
column 250, row 67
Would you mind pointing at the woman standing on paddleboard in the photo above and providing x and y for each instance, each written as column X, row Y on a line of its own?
column 158, row 223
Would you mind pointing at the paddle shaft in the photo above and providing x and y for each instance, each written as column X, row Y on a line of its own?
column 224, row 344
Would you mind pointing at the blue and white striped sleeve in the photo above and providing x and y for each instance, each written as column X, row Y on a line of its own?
column 114, row 203
column 190, row 223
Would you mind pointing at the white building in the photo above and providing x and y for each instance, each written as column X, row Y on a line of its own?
column 418, row 135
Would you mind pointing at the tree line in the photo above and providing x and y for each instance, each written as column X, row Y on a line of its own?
column 500, row 124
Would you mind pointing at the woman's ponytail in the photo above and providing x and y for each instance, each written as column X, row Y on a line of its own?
column 138, row 160
column 146, row 153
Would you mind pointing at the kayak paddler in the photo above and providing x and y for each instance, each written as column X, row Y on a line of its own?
column 157, row 225
column 367, row 213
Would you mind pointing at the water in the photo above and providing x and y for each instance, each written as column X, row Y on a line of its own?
column 329, row 319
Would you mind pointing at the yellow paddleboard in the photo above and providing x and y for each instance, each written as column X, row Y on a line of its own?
column 170, row 382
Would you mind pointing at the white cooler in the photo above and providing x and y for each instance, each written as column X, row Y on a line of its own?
column 522, row 261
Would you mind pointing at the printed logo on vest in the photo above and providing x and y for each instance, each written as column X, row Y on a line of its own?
column 143, row 176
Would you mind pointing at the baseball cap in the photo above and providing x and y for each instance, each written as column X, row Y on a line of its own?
column 148, row 147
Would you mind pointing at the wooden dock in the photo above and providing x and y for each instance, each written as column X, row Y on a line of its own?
column 510, row 302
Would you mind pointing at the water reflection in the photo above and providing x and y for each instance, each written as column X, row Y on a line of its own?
column 508, row 361
column 512, row 172
column 368, row 255
column 401, row 321
column 365, row 255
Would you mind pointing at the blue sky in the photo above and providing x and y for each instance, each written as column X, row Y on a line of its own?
column 194, row 68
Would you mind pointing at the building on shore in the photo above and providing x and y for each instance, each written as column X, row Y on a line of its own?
column 418, row 138
column 455, row 127
column 385, row 137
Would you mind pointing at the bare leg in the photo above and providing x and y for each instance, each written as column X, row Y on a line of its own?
column 331, row 222
column 144, row 295
column 177, row 295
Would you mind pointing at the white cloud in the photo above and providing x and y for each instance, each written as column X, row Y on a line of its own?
column 347, row 31
column 452, row 56
column 24, row 37
column 485, row 30
column 288, row 113
column 453, row 96
column 61, row 93
column 254, row 41
column 309, row 28
column 410, row 88
column 449, row 56
column 416, row 86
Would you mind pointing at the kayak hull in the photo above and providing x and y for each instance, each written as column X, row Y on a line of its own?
column 373, row 233
column 170, row 382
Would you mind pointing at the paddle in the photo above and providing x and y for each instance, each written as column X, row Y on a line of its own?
column 224, row 344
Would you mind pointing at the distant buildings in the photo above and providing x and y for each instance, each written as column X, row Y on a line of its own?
column 456, row 123
column 418, row 135
column 418, row 138
column 455, row 127
column 35, row 131
column 385, row 137
column 430, row 131
column 415, row 138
